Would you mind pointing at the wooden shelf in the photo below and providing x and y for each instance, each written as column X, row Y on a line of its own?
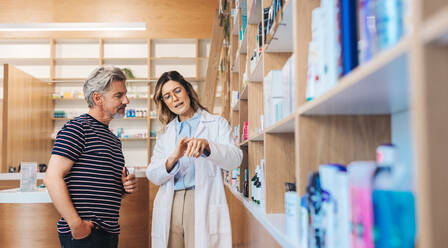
column 280, row 38
column 236, row 26
column 132, row 61
column 286, row 125
column 257, row 137
column 77, row 61
column 435, row 30
column 257, row 74
column 244, row 143
column 189, row 79
column 237, row 106
column 68, row 99
column 244, row 94
column 380, row 86
column 236, row 64
column 25, row 61
column 254, row 15
column 242, row 49
column 176, row 58
column 273, row 223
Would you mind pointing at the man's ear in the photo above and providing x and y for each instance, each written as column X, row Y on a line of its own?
column 97, row 98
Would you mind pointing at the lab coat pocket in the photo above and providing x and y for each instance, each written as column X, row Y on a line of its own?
column 219, row 220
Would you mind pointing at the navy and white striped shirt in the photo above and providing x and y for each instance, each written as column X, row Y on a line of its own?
column 94, row 182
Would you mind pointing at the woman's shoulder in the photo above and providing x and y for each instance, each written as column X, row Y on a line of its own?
column 212, row 117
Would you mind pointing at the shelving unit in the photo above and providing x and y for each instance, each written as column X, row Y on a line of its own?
column 66, row 63
column 398, row 97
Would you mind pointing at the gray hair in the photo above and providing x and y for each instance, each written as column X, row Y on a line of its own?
column 99, row 81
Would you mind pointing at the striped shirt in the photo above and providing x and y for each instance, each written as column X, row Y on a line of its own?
column 94, row 182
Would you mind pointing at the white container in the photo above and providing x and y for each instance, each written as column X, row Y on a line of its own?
column 28, row 176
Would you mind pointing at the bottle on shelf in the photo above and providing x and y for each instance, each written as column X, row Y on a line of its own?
column 291, row 215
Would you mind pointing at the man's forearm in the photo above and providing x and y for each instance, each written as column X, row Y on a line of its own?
column 59, row 195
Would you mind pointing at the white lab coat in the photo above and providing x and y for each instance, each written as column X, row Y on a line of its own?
column 212, row 220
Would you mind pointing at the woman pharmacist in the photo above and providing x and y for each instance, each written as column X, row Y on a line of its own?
column 190, row 209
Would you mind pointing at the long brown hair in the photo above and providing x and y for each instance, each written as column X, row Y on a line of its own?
column 165, row 114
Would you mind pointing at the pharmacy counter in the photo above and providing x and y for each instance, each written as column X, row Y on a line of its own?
column 16, row 196
column 28, row 219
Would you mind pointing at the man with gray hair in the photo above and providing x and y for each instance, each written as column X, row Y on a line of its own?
column 86, row 176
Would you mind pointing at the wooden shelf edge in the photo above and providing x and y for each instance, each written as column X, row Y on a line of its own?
column 257, row 74
column 270, row 222
column 244, row 94
column 257, row 137
column 244, row 143
column 177, row 58
column 279, row 19
column 242, row 49
column 357, row 75
column 278, row 125
column 435, row 29
column 252, row 16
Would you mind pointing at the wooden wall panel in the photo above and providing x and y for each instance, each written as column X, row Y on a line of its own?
column 337, row 139
column 430, row 131
column 164, row 19
column 134, row 214
column 28, row 225
column 243, row 115
column 238, row 220
column 27, row 119
column 274, row 61
column 34, row 225
column 255, row 153
column 301, row 13
column 246, row 230
column 251, row 33
column 256, row 106
column 280, row 168
column 208, row 98
column 1, row 130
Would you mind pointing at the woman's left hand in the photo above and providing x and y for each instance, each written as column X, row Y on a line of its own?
column 196, row 147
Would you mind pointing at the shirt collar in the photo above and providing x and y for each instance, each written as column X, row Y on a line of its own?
column 195, row 116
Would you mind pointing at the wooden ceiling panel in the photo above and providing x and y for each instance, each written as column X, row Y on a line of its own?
column 164, row 18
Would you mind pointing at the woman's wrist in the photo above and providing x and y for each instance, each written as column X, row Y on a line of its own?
column 170, row 162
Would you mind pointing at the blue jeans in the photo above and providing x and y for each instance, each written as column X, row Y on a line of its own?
column 97, row 239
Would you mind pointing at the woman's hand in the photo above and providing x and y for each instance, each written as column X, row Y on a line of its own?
column 196, row 147
column 177, row 154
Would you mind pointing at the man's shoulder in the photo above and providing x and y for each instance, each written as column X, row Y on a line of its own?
column 79, row 122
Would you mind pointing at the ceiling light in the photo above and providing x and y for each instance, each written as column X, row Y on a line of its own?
column 74, row 26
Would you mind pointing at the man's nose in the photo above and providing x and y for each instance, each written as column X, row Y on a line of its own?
column 126, row 100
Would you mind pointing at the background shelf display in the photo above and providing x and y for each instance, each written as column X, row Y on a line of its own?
column 280, row 37
column 379, row 87
column 66, row 63
column 383, row 100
